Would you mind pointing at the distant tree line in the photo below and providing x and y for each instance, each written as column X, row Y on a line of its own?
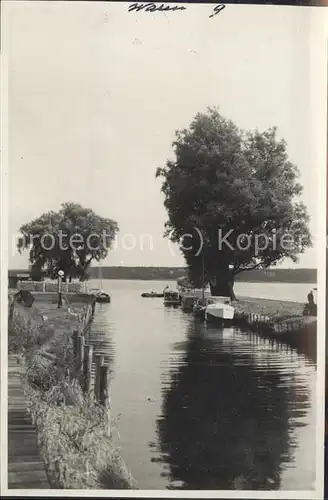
column 168, row 273
column 174, row 273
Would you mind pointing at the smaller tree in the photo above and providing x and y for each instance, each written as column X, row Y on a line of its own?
column 68, row 240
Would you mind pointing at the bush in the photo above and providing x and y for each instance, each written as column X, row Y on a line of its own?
column 25, row 336
column 74, row 439
column 43, row 373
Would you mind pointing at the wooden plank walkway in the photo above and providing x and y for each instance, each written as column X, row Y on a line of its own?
column 25, row 465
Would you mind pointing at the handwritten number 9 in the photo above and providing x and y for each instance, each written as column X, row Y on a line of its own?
column 217, row 9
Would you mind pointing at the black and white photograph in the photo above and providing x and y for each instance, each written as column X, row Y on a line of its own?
column 163, row 249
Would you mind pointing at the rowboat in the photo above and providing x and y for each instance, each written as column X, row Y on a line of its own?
column 152, row 295
column 103, row 297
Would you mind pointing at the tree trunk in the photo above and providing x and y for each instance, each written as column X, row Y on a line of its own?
column 222, row 284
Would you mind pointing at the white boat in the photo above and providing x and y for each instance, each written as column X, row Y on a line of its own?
column 219, row 310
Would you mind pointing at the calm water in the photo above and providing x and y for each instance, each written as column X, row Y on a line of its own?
column 201, row 408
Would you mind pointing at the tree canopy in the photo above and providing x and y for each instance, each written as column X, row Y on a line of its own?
column 232, row 199
column 68, row 240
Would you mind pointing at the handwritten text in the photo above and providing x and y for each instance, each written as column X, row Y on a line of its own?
column 152, row 7
column 155, row 7
column 217, row 10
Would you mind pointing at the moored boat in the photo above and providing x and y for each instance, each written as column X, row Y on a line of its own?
column 200, row 308
column 190, row 297
column 172, row 298
column 219, row 311
column 152, row 295
column 101, row 296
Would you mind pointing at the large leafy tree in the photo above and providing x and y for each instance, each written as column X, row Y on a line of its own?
column 232, row 199
column 68, row 240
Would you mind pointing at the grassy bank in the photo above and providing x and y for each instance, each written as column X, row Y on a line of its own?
column 71, row 426
column 276, row 309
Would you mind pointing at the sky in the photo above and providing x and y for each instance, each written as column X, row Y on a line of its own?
column 95, row 94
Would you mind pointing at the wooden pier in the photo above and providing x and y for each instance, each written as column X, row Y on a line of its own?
column 25, row 464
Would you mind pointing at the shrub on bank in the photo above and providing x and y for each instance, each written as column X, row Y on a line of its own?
column 26, row 336
column 73, row 436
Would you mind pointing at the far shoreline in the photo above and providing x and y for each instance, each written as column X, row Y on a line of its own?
column 173, row 279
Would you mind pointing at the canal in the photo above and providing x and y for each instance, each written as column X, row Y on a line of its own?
column 200, row 408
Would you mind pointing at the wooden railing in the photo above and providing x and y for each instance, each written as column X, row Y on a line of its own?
column 275, row 324
column 51, row 286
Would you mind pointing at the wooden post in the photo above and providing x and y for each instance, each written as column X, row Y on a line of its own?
column 59, row 285
column 74, row 336
column 104, row 394
column 104, row 385
column 87, row 366
column 11, row 310
column 99, row 359
column 80, row 354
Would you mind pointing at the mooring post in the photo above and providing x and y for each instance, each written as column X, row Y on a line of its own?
column 104, row 394
column 74, row 337
column 87, row 366
column 80, row 353
column 99, row 359
column 103, row 384
column 11, row 310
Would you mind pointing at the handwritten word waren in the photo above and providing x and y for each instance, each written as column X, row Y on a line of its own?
column 154, row 7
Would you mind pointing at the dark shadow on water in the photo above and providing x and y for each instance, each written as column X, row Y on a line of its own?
column 226, row 423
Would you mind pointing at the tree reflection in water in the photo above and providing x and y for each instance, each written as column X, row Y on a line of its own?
column 226, row 421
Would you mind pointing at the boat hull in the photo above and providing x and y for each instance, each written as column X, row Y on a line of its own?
column 219, row 313
column 152, row 295
column 175, row 303
column 103, row 299
column 216, row 321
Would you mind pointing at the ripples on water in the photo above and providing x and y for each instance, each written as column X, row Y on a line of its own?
column 202, row 408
